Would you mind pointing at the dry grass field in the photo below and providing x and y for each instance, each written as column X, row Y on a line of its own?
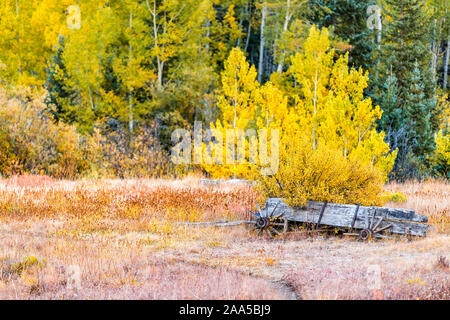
column 128, row 239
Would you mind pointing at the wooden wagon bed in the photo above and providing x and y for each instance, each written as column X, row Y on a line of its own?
column 356, row 220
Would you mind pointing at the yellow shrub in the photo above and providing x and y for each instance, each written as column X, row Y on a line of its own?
column 321, row 174
column 441, row 157
column 443, row 147
column 394, row 197
column 33, row 143
column 140, row 155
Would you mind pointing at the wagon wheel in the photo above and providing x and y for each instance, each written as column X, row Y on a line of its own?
column 373, row 229
column 267, row 223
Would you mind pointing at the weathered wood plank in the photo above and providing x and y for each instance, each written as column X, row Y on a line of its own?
column 388, row 213
column 344, row 220
column 339, row 215
column 281, row 207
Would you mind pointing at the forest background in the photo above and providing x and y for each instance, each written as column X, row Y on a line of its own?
column 96, row 88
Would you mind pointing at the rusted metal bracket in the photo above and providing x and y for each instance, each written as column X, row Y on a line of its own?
column 321, row 214
column 354, row 217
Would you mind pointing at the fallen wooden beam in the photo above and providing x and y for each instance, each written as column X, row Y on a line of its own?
column 215, row 224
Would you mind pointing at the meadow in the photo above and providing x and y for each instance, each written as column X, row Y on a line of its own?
column 131, row 239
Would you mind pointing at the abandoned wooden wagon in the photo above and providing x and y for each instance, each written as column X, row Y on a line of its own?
column 351, row 220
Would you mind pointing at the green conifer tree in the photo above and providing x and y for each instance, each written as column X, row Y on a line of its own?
column 419, row 112
column 413, row 118
column 58, row 94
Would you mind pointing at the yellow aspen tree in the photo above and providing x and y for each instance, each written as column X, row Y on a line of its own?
column 272, row 107
column 24, row 49
column 245, row 104
column 329, row 147
column 238, row 108
column 311, row 69
column 169, row 28
column 441, row 156
column 236, row 101
column 128, row 61
column 29, row 32
column 83, row 54
column 352, row 119
column 332, row 106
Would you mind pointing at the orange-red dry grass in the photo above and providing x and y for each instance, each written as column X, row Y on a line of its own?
column 124, row 236
column 430, row 198
column 97, row 202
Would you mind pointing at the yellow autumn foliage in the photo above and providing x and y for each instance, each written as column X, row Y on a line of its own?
column 441, row 156
column 329, row 148
column 32, row 143
column 443, row 146
column 237, row 104
column 323, row 174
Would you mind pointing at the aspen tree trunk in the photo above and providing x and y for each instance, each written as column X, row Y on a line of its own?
column 435, row 51
column 316, row 83
column 379, row 33
column 238, row 43
column 19, row 49
column 130, row 96
column 285, row 28
column 241, row 21
column 380, row 29
column 248, row 11
column 235, row 99
column 159, row 62
column 208, row 33
column 249, row 30
column 234, row 120
column 438, row 52
column 447, row 54
column 262, row 44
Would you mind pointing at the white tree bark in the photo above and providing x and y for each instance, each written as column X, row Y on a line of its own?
column 208, row 33
column 262, row 44
column 435, row 50
column 249, row 29
column 447, row 54
column 130, row 94
column 19, row 47
column 160, row 63
column 316, row 84
column 287, row 19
